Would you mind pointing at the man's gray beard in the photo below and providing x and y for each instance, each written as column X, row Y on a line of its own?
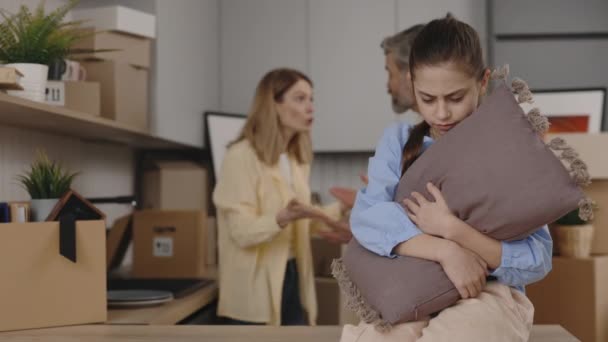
column 400, row 108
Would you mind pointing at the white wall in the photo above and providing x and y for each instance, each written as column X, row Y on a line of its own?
column 185, row 79
column 105, row 170
column 13, row 5
column 347, row 67
column 472, row 12
column 255, row 37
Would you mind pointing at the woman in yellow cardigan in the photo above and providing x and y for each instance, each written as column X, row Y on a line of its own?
column 263, row 206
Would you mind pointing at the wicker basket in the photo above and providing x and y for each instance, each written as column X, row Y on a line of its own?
column 573, row 241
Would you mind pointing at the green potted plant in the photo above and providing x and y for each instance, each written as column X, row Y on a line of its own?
column 573, row 236
column 30, row 42
column 46, row 182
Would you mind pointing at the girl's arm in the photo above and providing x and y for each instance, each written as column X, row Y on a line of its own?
column 376, row 221
column 515, row 263
column 526, row 261
column 466, row 236
column 465, row 269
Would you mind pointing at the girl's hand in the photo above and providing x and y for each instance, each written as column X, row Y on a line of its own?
column 433, row 218
column 465, row 269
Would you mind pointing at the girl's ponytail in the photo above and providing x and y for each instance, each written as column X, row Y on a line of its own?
column 413, row 146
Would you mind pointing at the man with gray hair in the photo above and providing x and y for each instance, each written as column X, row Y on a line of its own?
column 397, row 51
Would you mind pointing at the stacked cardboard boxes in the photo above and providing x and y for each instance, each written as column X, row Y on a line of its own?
column 575, row 293
column 179, row 185
column 170, row 244
column 575, row 296
column 121, row 64
column 173, row 237
column 80, row 96
column 330, row 299
column 332, row 303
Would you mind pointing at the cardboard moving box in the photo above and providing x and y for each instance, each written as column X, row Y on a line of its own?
column 131, row 49
column 169, row 244
column 10, row 78
column 124, row 91
column 84, row 97
column 574, row 295
column 323, row 254
column 332, row 304
column 41, row 288
column 592, row 149
column 179, row 185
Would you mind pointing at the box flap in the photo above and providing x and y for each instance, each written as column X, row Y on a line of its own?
column 592, row 149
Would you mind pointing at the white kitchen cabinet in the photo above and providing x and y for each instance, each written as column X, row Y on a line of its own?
column 347, row 67
column 337, row 43
column 255, row 37
column 185, row 79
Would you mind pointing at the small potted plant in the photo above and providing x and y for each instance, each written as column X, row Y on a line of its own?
column 46, row 182
column 573, row 236
column 30, row 42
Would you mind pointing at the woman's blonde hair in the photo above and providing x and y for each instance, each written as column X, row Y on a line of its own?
column 263, row 128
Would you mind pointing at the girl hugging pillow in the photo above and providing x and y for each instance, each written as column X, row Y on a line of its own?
column 459, row 200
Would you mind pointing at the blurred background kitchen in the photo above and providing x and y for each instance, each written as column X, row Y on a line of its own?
column 131, row 121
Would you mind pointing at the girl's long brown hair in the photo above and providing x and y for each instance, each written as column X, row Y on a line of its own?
column 441, row 41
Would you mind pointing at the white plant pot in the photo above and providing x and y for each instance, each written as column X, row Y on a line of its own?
column 41, row 208
column 33, row 81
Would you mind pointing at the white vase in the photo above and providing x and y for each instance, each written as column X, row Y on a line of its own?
column 33, row 81
column 41, row 208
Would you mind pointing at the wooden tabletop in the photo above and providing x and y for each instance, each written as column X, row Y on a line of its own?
column 551, row 333
column 169, row 313
column 197, row 333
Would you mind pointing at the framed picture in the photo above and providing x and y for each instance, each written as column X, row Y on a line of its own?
column 220, row 130
column 571, row 110
column 73, row 203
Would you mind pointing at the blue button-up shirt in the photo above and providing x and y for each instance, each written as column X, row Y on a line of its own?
column 380, row 224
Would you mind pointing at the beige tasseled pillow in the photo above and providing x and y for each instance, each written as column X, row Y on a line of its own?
column 496, row 174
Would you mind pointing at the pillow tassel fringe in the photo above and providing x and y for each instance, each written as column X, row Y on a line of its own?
column 520, row 87
column 500, row 73
column 569, row 155
column 579, row 173
column 539, row 123
column 558, row 144
column 577, row 167
column 585, row 209
column 354, row 299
